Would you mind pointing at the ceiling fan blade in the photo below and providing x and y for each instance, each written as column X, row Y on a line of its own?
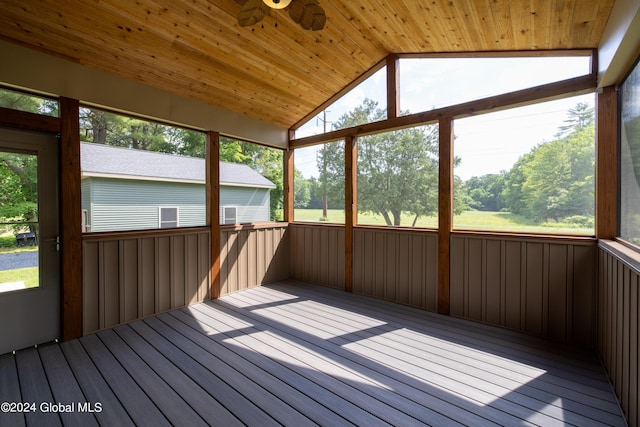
column 308, row 14
column 253, row 11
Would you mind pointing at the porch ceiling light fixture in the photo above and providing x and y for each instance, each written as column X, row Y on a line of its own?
column 277, row 4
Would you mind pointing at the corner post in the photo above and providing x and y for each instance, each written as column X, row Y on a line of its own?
column 445, row 214
column 213, row 202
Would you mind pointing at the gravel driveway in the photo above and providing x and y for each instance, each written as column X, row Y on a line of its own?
column 18, row 260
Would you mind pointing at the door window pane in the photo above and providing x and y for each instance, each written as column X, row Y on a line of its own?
column 18, row 221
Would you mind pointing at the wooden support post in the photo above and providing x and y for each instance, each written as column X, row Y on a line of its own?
column 393, row 86
column 70, row 219
column 607, row 164
column 288, row 185
column 213, row 202
column 445, row 216
column 350, row 208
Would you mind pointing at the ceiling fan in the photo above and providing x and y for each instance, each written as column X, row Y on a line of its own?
column 308, row 13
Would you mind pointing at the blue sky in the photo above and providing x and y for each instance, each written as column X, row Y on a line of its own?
column 487, row 143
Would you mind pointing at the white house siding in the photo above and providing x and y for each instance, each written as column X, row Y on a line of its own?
column 252, row 203
column 126, row 204
column 118, row 204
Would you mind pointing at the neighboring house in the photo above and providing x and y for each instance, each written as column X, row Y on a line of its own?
column 125, row 189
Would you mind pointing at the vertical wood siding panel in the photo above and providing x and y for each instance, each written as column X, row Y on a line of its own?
column 458, row 262
column 232, row 261
column 534, row 283
column 619, row 327
column 431, row 272
column 333, row 255
column 110, row 272
column 493, row 270
column 308, row 254
column 380, row 258
column 163, row 280
column 474, row 279
column 261, row 255
column 243, row 259
column 557, row 296
column 584, row 272
column 316, row 255
column 130, row 279
column 192, row 276
column 358, row 263
column 634, row 353
column 90, row 292
column 177, row 250
column 624, row 397
column 325, row 255
column 402, row 273
column 513, row 274
column 391, row 282
column 148, row 276
column 204, row 263
column 252, row 259
column 224, row 262
column 341, row 258
column 417, row 262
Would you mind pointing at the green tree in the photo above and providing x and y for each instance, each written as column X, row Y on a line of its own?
column 485, row 192
column 18, row 180
column 397, row 171
column 302, row 190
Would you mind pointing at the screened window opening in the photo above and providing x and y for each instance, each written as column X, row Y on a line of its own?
column 229, row 214
column 319, row 183
column 528, row 169
column 398, row 178
column 139, row 175
column 251, row 180
column 630, row 157
column 372, row 90
column 28, row 103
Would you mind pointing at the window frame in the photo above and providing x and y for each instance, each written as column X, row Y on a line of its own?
column 224, row 216
column 161, row 222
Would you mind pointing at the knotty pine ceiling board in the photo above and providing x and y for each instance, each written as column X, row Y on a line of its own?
column 196, row 49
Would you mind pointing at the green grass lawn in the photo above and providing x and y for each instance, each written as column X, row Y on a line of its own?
column 468, row 220
column 27, row 275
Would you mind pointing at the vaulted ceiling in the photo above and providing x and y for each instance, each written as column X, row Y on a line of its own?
column 279, row 74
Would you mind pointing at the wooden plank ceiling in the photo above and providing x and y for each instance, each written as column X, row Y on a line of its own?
column 196, row 49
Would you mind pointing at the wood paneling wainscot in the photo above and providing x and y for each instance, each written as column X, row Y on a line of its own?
column 619, row 323
column 396, row 265
column 133, row 275
column 318, row 254
column 251, row 255
column 543, row 286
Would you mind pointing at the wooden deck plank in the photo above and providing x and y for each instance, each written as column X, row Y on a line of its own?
column 10, row 390
column 266, row 373
column 175, row 409
column 195, row 393
column 138, row 405
column 349, row 385
column 35, row 389
column 455, row 362
column 412, row 393
column 65, row 388
column 236, row 391
column 346, row 410
column 554, row 358
column 94, row 386
column 298, row 354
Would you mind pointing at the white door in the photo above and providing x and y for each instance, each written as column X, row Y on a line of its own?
column 29, row 253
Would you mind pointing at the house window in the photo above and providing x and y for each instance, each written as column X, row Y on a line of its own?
column 229, row 215
column 168, row 217
column 85, row 221
column 630, row 157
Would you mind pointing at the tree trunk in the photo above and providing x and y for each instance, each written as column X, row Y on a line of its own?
column 386, row 217
column 396, row 217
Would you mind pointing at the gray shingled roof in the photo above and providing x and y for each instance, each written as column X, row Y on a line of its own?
column 99, row 159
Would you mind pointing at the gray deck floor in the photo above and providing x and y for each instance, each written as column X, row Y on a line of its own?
column 300, row 355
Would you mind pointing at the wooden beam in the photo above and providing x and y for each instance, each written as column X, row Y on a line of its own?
column 575, row 86
column 393, row 86
column 445, row 214
column 71, row 219
column 350, row 207
column 213, row 203
column 607, row 164
column 31, row 121
column 289, row 176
